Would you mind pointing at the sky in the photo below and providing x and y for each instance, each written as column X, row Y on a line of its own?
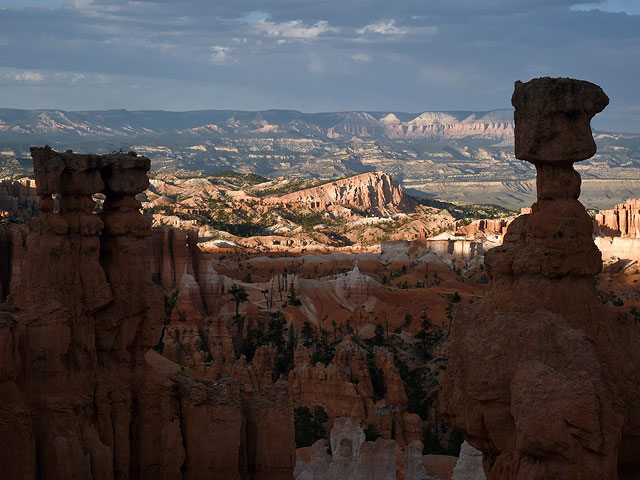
column 314, row 55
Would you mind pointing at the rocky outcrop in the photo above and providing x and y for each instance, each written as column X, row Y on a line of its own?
column 371, row 192
column 469, row 464
column 617, row 231
column 344, row 389
column 18, row 198
column 457, row 246
column 497, row 226
column 353, row 288
column 84, row 394
column 352, row 458
column 541, row 378
column 621, row 221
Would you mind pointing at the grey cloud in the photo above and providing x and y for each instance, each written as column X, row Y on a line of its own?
column 337, row 12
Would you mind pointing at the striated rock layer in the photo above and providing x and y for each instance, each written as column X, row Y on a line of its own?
column 541, row 378
column 83, row 393
column 373, row 191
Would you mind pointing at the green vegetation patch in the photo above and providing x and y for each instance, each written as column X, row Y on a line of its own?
column 461, row 211
column 248, row 178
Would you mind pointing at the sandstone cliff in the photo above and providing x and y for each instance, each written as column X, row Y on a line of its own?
column 617, row 231
column 371, row 192
column 541, row 378
column 621, row 221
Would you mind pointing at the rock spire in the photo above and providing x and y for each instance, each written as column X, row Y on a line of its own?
column 541, row 378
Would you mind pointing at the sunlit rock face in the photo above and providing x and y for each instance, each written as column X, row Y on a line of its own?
column 541, row 378
column 617, row 232
column 371, row 192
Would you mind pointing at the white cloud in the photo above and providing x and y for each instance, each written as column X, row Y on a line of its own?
column 29, row 77
column 295, row 29
column 219, row 54
column 78, row 77
column 360, row 57
column 389, row 28
column 630, row 7
column 383, row 28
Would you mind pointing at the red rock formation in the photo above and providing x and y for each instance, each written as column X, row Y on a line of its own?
column 541, row 378
column 344, row 389
column 83, row 393
column 18, row 198
column 395, row 395
column 621, row 221
column 373, row 192
column 12, row 239
column 496, row 226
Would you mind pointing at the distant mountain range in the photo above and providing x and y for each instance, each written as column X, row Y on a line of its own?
column 461, row 156
column 16, row 124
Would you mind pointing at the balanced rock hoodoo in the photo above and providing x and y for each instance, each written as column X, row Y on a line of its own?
column 541, row 377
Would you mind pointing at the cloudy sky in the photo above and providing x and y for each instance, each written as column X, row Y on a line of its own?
column 313, row 55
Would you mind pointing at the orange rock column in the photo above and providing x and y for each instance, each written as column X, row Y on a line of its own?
column 540, row 375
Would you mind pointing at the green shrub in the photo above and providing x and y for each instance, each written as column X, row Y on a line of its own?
column 371, row 432
column 309, row 426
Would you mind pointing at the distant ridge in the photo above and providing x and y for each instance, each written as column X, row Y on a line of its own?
column 18, row 124
column 456, row 156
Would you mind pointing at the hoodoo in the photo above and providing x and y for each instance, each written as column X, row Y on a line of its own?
column 83, row 393
column 541, row 377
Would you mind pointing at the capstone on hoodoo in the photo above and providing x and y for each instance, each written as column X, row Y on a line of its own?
column 77, row 177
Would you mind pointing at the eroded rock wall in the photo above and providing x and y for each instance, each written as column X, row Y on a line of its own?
column 621, row 221
column 617, row 231
column 84, row 394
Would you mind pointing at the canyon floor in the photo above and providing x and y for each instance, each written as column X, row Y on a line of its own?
column 343, row 289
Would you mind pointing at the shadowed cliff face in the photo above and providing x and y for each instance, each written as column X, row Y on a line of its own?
column 84, row 394
column 541, row 378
